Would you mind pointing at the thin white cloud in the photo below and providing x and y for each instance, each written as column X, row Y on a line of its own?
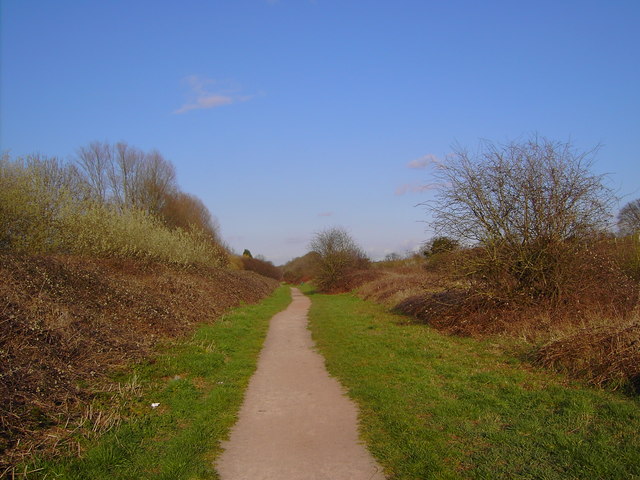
column 202, row 97
column 415, row 188
column 211, row 101
column 423, row 162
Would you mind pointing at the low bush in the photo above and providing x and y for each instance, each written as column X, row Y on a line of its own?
column 338, row 258
column 106, row 232
column 627, row 252
column 532, row 206
column 588, row 329
column 263, row 267
column 605, row 354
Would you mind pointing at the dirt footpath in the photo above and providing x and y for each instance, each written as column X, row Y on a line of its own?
column 295, row 423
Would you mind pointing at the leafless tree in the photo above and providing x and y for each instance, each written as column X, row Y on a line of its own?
column 125, row 176
column 338, row 255
column 95, row 161
column 629, row 218
column 518, row 201
column 158, row 180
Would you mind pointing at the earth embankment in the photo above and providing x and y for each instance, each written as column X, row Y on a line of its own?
column 66, row 322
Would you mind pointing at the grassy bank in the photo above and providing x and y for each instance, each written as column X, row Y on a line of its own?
column 199, row 384
column 435, row 406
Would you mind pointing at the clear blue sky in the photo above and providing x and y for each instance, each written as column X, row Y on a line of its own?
column 288, row 116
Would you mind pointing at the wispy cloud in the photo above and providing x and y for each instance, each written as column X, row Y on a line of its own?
column 423, row 162
column 325, row 214
column 202, row 95
column 415, row 188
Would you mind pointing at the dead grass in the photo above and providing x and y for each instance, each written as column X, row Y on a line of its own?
column 591, row 331
column 605, row 353
column 391, row 287
column 66, row 321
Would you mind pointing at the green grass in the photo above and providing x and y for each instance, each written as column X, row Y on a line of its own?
column 199, row 383
column 442, row 407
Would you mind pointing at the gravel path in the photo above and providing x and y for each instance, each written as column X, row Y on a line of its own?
column 296, row 422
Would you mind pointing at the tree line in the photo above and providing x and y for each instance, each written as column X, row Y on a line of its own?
column 531, row 212
column 109, row 199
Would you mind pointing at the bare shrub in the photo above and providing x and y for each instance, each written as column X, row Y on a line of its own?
column 338, row 256
column 395, row 261
column 261, row 266
column 594, row 287
column 629, row 218
column 440, row 244
column 126, row 176
column 605, row 354
column 627, row 252
column 392, row 286
column 531, row 205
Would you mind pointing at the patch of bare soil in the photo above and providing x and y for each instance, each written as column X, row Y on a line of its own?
column 66, row 322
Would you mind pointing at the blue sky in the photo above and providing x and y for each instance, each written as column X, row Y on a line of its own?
column 289, row 116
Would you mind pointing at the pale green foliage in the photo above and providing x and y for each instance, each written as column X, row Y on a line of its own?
column 30, row 204
column 45, row 209
column 106, row 232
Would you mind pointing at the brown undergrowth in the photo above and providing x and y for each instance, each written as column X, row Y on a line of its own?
column 67, row 321
column 606, row 354
column 591, row 331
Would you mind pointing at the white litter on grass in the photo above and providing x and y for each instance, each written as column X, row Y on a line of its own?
column 155, row 405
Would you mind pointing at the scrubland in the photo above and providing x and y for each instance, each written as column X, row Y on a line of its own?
column 527, row 289
column 592, row 333
column 101, row 260
column 525, row 249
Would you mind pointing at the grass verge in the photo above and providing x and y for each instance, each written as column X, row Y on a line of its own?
column 199, row 384
column 441, row 407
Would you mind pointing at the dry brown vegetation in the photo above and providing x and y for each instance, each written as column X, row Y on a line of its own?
column 606, row 352
column 100, row 258
column 591, row 332
column 261, row 266
column 338, row 259
column 66, row 321
column 540, row 263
